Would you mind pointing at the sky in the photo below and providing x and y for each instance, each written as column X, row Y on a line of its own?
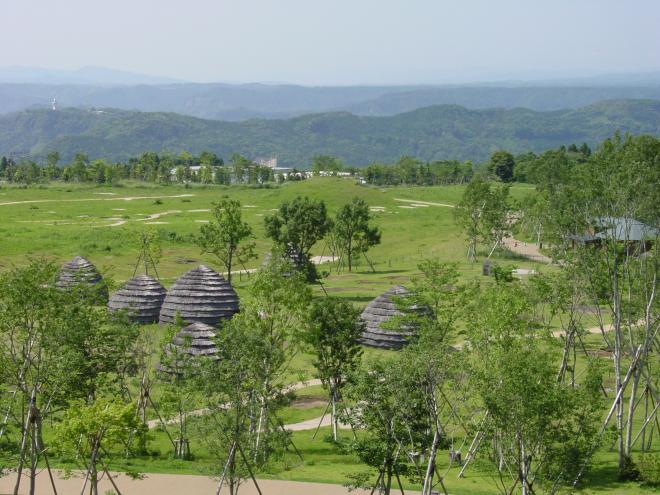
column 336, row 42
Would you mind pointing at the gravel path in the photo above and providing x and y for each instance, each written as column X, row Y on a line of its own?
column 199, row 412
column 79, row 200
column 172, row 484
column 525, row 249
column 426, row 203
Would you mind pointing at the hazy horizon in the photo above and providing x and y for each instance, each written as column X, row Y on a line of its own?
column 343, row 43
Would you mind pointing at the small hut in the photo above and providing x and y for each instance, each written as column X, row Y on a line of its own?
column 81, row 271
column 141, row 297
column 196, row 340
column 200, row 295
column 377, row 313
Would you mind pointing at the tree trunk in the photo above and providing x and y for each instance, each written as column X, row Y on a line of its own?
column 430, row 468
column 388, row 484
column 334, row 414
column 523, row 470
column 631, row 414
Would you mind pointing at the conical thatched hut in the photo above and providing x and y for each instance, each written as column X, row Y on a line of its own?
column 377, row 313
column 200, row 295
column 197, row 340
column 141, row 297
column 81, row 271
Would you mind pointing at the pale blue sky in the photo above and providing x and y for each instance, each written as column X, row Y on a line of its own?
column 336, row 41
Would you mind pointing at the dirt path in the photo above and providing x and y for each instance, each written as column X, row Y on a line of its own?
column 525, row 249
column 79, row 200
column 312, row 424
column 198, row 412
column 172, row 484
column 426, row 203
column 594, row 330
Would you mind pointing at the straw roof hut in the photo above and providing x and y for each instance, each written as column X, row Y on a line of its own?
column 196, row 340
column 141, row 297
column 200, row 295
column 81, row 271
column 377, row 313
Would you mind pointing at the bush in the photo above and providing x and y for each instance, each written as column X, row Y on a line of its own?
column 629, row 471
column 648, row 466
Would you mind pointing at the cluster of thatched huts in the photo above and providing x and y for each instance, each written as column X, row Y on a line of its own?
column 203, row 298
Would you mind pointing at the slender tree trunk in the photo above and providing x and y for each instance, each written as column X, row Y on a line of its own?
column 94, row 476
column 430, row 468
column 618, row 349
column 631, row 414
column 388, row 483
column 523, row 469
column 334, row 414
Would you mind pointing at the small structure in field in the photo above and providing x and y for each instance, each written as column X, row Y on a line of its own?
column 196, row 340
column 141, row 297
column 380, row 311
column 200, row 295
column 80, row 271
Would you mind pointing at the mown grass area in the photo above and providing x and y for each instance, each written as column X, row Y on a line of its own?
column 101, row 223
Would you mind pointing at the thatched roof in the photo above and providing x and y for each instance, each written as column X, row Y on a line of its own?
column 196, row 339
column 141, row 297
column 379, row 311
column 80, row 271
column 200, row 295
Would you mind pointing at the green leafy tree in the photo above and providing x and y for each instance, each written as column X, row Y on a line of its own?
column 352, row 232
column 536, row 426
column 501, row 164
column 226, row 235
column 87, row 431
column 391, row 416
column 248, row 382
column 333, row 335
column 470, row 211
column 296, row 227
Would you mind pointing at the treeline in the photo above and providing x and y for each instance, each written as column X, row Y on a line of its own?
column 507, row 167
column 205, row 168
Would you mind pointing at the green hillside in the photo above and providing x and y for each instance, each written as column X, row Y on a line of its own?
column 431, row 133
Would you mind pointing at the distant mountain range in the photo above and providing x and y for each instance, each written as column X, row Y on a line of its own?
column 26, row 88
column 430, row 133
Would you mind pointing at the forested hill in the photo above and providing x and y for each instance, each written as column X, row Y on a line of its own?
column 431, row 133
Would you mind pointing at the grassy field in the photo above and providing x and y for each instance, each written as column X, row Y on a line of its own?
column 60, row 221
column 101, row 223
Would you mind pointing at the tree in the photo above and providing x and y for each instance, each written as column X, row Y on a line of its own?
column 352, row 231
column 537, row 430
column 52, row 159
column 225, row 236
column 333, row 335
column 501, row 164
column 55, row 347
column 392, row 416
column 88, row 430
column 178, row 370
column 469, row 213
column 296, row 227
column 247, row 383
column 615, row 190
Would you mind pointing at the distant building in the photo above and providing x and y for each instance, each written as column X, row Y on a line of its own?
column 637, row 235
column 267, row 162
